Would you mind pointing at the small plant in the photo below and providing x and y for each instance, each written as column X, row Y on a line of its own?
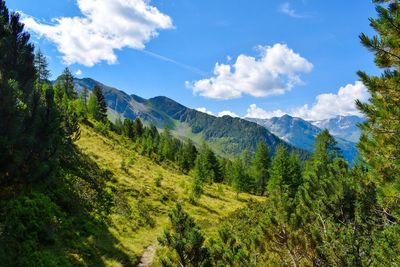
column 158, row 180
column 131, row 160
column 123, row 166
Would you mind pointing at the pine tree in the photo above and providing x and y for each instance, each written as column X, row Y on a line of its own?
column 31, row 135
column 16, row 61
column 261, row 166
column 379, row 143
column 185, row 242
column 41, row 65
column 101, row 113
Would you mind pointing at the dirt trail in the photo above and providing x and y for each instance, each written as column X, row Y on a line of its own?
column 148, row 256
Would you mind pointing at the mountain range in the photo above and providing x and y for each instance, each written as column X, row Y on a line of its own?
column 228, row 136
column 302, row 133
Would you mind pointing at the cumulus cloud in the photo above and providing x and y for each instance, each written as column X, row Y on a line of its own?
column 330, row 105
column 78, row 72
column 228, row 113
column 204, row 110
column 285, row 8
column 274, row 72
column 103, row 27
column 258, row 113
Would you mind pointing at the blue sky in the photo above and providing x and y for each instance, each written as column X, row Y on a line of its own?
column 298, row 57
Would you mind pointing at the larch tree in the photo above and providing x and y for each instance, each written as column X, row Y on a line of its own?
column 261, row 166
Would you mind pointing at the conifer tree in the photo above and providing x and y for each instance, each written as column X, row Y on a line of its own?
column 16, row 61
column 30, row 132
column 101, row 113
column 239, row 177
column 127, row 130
column 41, row 65
column 138, row 128
column 379, row 143
column 93, row 107
column 85, row 95
column 66, row 81
column 185, row 241
column 187, row 156
column 261, row 166
column 279, row 173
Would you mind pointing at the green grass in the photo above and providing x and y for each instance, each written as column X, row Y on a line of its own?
column 141, row 205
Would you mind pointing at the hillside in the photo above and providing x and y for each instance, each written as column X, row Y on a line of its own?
column 228, row 136
column 141, row 206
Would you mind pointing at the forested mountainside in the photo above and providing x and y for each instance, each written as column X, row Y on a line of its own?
column 228, row 136
column 302, row 134
column 77, row 189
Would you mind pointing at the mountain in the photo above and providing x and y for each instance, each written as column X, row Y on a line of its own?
column 342, row 126
column 228, row 136
column 301, row 133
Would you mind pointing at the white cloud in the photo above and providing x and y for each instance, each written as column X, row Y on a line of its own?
column 227, row 113
column 288, row 10
column 103, row 27
column 258, row 113
column 78, row 72
column 204, row 110
column 274, row 72
column 331, row 105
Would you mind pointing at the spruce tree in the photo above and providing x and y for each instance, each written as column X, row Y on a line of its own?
column 187, row 156
column 127, row 129
column 66, row 81
column 138, row 128
column 101, row 113
column 41, row 65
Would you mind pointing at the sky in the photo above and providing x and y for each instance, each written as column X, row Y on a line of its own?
column 254, row 58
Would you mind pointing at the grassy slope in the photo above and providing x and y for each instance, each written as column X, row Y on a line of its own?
column 141, row 210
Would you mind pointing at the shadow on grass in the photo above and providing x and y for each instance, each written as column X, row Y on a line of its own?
column 89, row 190
column 64, row 219
column 200, row 205
column 210, row 195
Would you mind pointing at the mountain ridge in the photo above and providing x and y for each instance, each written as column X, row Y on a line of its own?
column 227, row 135
column 302, row 133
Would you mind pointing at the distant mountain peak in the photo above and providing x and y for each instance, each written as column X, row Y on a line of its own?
column 301, row 133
